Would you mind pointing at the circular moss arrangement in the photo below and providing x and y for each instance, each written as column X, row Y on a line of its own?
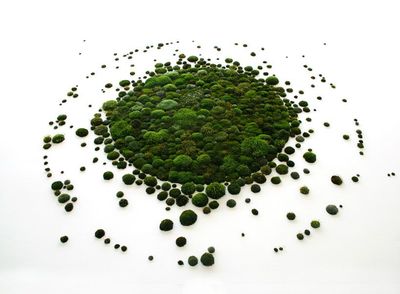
column 332, row 209
column 64, row 239
column 207, row 259
column 200, row 200
column 336, row 180
column 58, row 138
column 166, row 225
column 188, row 217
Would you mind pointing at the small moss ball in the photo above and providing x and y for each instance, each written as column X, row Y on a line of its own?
column 254, row 211
column 63, row 198
column 332, row 209
column 81, row 132
column 58, row 138
column 275, row 180
column 295, row 175
column 336, row 180
column 234, row 188
column 315, row 224
column 207, row 259
column 200, row 200
column 231, row 203
column 123, row 203
column 304, row 190
column 213, row 204
column 310, row 157
column 291, row 216
column 99, row 233
column 57, row 185
column 166, row 225
column 128, row 179
column 272, row 80
column 354, row 179
column 108, row 175
column 300, row 236
column 215, row 190
column 68, row 207
column 64, row 239
column 188, row 217
column 211, row 249
column 255, row 188
column 346, row 137
column 282, row 169
column 193, row 260
column 180, row 241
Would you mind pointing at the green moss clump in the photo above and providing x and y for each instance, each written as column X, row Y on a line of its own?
column 188, row 188
column 63, row 198
column 150, row 181
column 295, row 175
column 332, row 209
column 213, row 204
column 315, row 224
column 188, row 218
column 354, row 179
column 207, row 259
column 231, row 203
column 64, row 239
column 291, row 215
column 272, row 80
column 234, row 188
column 304, row 190
column 300, row 236
column 68, row 207
column 123, row 202
column 47, row 139
column 193, row 58
column 336, row 180
column 128, row 179
column 200, row 200
column 119, row 194
column 100, row 233
column 180, row 241
column 215, row 190
column 166, row 225
column 346, row 137
column 81, row 132
column 62, row 117
column 255, row 188
column 193, row 260
column 275, row 180
column 57, row 185
column 108, row 175
column 58, row 138
column 124, row 83
column 166, row 186
column 310, row 157
column 282, row 169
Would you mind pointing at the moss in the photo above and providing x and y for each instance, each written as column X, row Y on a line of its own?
column 336, row 180
column 188, row 188
column 254, row 211
column 188, row 217
column 81, row 132
column 162, row 195
column 193, row 260
column 124, row 248
column 182, row 200
column 282, row 169
column 259, row 178
column 124, row 83
column 291, row 215
column 211, row 249
column 206, row 210
column 108, row 175
column 207, row 259
column 255, row 188
column 300, row 236
column 200, row 200
column 346, row 137
column 57, row 185
column 166, row 225
column 100, row 233
column 275, row 180
column 150, row 181
column 47, row 139
column 354, row 179
column 193, row 58
column 272, row 80
column 166, row 186
column 175, row 192
column 310, row 157
column 332, row 209
column 119, row 194
column 295, row 175
column 215, row 190
column 304, row 190
column 58, row 138
column 64, row 239
column 128, row 179
column 231, row 203
column 180, row 241
column 63, row 198
column 123, row 203
column 315, row 224
column 68, row 207
column 213, row 204
column 150, row 190
column 234, row 188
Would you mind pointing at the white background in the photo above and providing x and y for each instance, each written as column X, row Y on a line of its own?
column 358, row 251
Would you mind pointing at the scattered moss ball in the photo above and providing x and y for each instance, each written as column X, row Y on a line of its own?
column 255, row 188
column 200, row 200
column 166, row 225
column 275, row 180
column 332, row 209
column 124, row 248
column 58, row 138
column 304, row 190
column 123, row 203
column 307, row 232
column 63, row 198
column 295, row 175
column 310, row 157
column 315, row 224
column 234, row 188
column 291, row 215
column 231, row 203
column 300, row 236
column 254, row 211
column 128, row 179
column 215, row 190
column 57, row 185
column 272, row 80
column 354, row 179
column 193, row 260
column 68, row 207
column 346, row 137
column 336, row 180
column 64, row 239
column 180, row 262
column 207, row 259
column 81, row 132
column 188, row 217
column 282, row 169
column 211, row 249
column 213, row 204
column 180, row 241
column 100, row 233
column 108, row 175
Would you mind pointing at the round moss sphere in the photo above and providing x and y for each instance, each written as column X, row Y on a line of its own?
column 310, row 157
column 282, row 169
column 291, row 216
column 64, row 239
column 231, row 203
column 100, row 233
column 123, row 203
column 193, row 260
column 300, row 236
column 336, row 180
column 128, row 179
column 188, row 217
column 332, row 209
column 304, row 190
column 108, row 175
column 63, row 198
column 315, row 224
column 200, row 200
column 166, row 225
column 57, row 185
column 207, row 259
column 81, row 132
column 58, row 138
column 275, row 180
column 180, row 241
column 215, row 190
column 255, row 188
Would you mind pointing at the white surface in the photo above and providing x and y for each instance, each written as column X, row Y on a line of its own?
column 354, row 252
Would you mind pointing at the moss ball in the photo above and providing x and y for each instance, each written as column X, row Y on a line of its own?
column 282, row 169
column 255, row 188
column 81, row 132
column 211, row 249
column 100, row 233
column 215, row 190
column 234, row 188
column 336, row 180
column 119, row 194
column 354, row 179
column 254, row 211
column 68, row 207
column 300, row 236
column 188, row 217
column 332, row 209
column 57, row 185
column 63, row 198
column 162, row 195
column 166, row 186
column 47, row 139
column 307, row 232
column 150, row 181
column 295, row 175
column 193, row 260
column 128, row 179
column 192, row 58
column 213, row 204
column 166, row 225
column 310, row 157
column 304, row 190
column 58, row 138
column 346, row 137
column 272, row 80
column 180, row 241
column 180, row 262
column 315, row 224
column 123, row 203
column 124, row 248
column 200, row 200
column 108, row 175
column 275, row 180
column 64, row 239
column 207, row 259
column 291, row 215
column 231, row 203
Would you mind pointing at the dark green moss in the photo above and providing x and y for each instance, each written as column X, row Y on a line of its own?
column 64, row 239
column 207, row 259
column 166, row 225
column 234, row 188
column 63, row 198
column 215, row 190
column 272, row 80
column 81, row 132
column 193, row 260
column 180, row 241
column 337, row 180
column 231, row 203
column 290, row 216
column 254, row 211
column 304, row 190
column 315, row 224
column 332, row 209
column 200, row 200
column 300, row 236
column 108, row 175
column 213, row 204
column 282, row 169
column 188, row 217
column 100, row 233
column 310, row 157
column 275, row 180
column 58, row 138
column 123, row 202
column 255, row 188
column 68, row 207
column 57, row 185
column 295, row 175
